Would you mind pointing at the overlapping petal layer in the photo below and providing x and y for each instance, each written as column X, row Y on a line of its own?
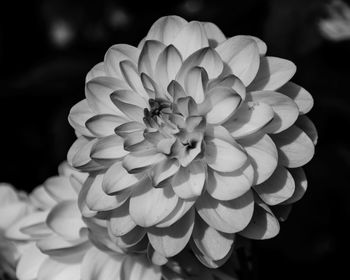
column 189, row 138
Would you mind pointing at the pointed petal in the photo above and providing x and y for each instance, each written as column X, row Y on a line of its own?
column 98, row 92
column 263, row 225
column 172, row 240
column 139, row 268
column 219, row 105
column 104, row 125
column 129, row 240
column 107, row 148
column 261, row 44
column 285, row 109
column 305, row 124
column 191, row 38
column 97, row 71
column 166, row 29
column 155, row 257
column 120, row 221
column 242, row 56
column 300, row 185
column 249, row 118
column 299, row 95
column 295, row 148
column 214, row 34
column 97, row 199
column 195, row 83
column 226, row 216
column 278, row 188
column 149, row 56
column 41, row 199
column 65, row 220
column 78, row 115
column 189, row 181
column 132, row 77
column 98, row 265
column 262, row 154
column 231, row 185
column 164, row 169
column 149, row 205
column 116, row 54
column 168, row 64
column 140, row 160
column 212, row 243
column 117, row 179
column 59, row 188
column 273, row 73
column 224, row 156
column 30, row 263
column 130, row 103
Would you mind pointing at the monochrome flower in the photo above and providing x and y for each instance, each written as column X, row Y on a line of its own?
column 188, row 138
column 58, row 245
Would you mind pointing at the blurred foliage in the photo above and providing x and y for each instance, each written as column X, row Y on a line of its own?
column 47, row 47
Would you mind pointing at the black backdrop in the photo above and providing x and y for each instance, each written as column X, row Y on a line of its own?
column 47, row 47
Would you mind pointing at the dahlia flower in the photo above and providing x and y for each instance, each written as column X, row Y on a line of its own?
column 58, row 247
column 13, row 206
column 191, row 138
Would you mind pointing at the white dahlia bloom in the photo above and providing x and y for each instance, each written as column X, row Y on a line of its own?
column 191, row 136
column 58, row 239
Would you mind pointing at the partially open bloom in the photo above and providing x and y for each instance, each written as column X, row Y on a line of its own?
column 58, row 245
column 189, row 137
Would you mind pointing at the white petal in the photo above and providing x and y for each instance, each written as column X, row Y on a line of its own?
column 191, row 38
column 262, row 154
column 139, row 268
column 166, row 29
column 65, row 220
column 261, row 44
column 249, row 118
column 226, row 216
column 98, row 92
column 227, row 186
column 278, row 188
column 300, row 185
column 30, row 263
column 98, row 265
column 79, row 155
column 58, row 270
column 97, row 71
column 212, row 243
column 224, row 156
column 285, row 109
column 10, row 213
column 155, row 257
column 299, row 95
column 41, row 198
column 14, row 231
column 117, row 179
column 168, row 64
column 263, row 225
column 189, row 181
column 195, row 84
column 59, row 188
column 120, row 221
column 149, row 56
column 139, row 160
column 273, row 73
column 220, row 103
column 149, row 205
column 163, row 170
column 78, row 115
column 110, row 147
column 242, row 56
column 294, row 146
column 130, row 240
column 305, row 124
column 96, row 198
column 132, row 77
column 104, row 125
column 115, row 55
column 214, row 34
column 172, row 240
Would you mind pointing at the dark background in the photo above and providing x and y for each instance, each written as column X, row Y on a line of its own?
column 47, row 47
